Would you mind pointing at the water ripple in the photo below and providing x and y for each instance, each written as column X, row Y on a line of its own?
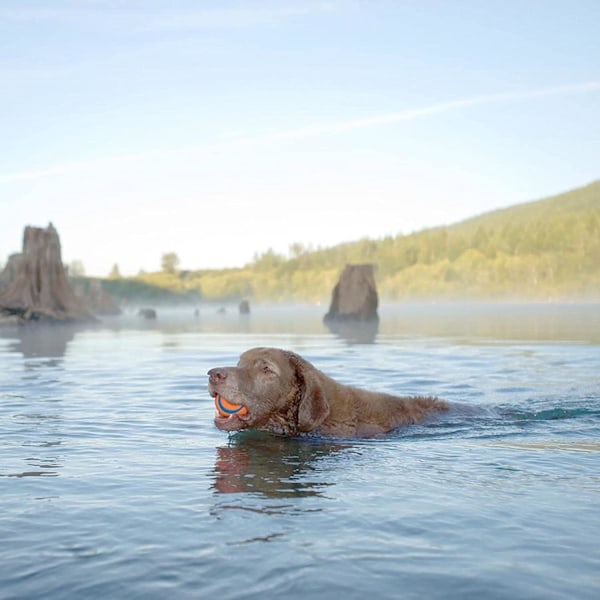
column 115, row 483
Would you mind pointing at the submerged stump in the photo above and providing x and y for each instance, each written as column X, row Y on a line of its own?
column 354, row 297
column 35, row 286
column 244, row 307
column 353, row 310
column 147, row 313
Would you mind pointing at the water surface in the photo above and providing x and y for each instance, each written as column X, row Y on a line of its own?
column 115, row 483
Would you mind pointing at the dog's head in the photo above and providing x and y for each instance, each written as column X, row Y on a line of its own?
column 281, row 391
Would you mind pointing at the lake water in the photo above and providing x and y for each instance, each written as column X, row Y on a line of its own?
column 114, row 482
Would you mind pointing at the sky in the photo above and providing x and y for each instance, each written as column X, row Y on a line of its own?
column 220, row 129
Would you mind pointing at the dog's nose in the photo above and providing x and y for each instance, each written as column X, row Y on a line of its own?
column 217, row 375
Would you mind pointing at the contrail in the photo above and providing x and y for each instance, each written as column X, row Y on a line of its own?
column 411, row 114
column 318, row 130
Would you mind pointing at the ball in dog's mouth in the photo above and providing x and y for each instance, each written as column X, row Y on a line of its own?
column 226, row 408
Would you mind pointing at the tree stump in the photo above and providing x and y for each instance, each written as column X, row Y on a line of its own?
column 10, row 271
column 147, row 313
column 244, row 307
column 35, row 285
column 354, row 297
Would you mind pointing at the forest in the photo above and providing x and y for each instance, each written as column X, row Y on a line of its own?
column 543, row 250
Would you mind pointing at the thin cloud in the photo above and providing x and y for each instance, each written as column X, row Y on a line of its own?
column 411, row 114
column 319, row 130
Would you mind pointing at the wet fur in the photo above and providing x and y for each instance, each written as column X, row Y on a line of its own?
column 287, row 395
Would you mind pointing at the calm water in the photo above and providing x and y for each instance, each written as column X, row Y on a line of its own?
column 114, row 482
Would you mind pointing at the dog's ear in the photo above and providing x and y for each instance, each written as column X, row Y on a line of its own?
column 313, row 408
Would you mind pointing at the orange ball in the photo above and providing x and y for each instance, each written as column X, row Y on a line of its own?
column 226, row 408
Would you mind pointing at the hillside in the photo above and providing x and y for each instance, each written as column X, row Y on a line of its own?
column 582, row 200
column 540, row 250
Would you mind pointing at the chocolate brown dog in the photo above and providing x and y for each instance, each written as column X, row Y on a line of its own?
column 286, row 395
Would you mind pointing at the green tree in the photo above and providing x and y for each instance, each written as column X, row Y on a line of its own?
column 169, row 262
column 268, row 260
column 296, row 250
column 76, row 269
column 114, row 272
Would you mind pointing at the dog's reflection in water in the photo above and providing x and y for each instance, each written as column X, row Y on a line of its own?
column 274, row 467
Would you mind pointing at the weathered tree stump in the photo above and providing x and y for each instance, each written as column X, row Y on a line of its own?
column 244, row 307
column 353, row 311
column 354, row 297
column 10, row 271
column 35, row 285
